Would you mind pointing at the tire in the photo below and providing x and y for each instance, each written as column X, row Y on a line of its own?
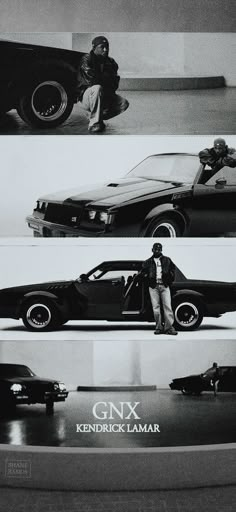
column 188, row 313
column 49, row 407
column 48, row 100
column 164, row 227
column 40, row 315
column 186, row 392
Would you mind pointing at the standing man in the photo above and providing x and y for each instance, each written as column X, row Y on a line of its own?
column 160, row 272
column 97, row 84
column 218, row 156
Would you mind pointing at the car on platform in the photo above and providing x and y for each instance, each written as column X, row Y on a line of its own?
column 166, row 195
column 114, row 291
column 196, row 384
column 19, row 385
column 38, row 81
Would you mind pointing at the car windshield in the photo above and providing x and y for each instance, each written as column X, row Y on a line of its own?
column 167, row 168
column 15, row 370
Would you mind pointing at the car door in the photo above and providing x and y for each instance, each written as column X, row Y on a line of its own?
column 213, row 205
column 103, row 296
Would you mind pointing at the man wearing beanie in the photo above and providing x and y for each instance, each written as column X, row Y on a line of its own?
column 218, row 156
column 97, row 84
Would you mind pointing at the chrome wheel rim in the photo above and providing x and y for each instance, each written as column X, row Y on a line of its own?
column 186, row 314
column 164, row 230
column 38, row 316
column 49, row 101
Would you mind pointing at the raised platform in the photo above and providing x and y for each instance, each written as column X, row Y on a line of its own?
column 175, row 83
column 94, row 469
column 118, row 388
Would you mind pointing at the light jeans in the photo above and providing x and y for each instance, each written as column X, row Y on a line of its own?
column 100, row 107
column 161, row 295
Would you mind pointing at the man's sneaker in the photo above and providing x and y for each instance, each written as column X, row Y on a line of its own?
column 97, row 127
column 159, row 331
column 171, row 331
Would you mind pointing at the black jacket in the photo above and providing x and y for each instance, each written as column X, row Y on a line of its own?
column 93, row 71
column 168, row 271
column 209, row 157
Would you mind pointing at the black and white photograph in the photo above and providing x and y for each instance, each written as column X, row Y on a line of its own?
column 117, row 83
column 117, row 343
column 121, row 187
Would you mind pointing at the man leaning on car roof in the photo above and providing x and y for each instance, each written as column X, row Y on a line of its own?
column 218, row 156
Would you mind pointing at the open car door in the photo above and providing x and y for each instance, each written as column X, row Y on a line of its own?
column 213, row 205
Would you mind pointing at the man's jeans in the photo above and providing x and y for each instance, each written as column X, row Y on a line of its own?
column 161, row 295
column 101, row 107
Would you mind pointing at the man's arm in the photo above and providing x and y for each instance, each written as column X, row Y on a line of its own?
column 110, row 77
column 87, row 71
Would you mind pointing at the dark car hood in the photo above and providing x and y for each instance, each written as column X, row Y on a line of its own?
column 6, row 44
column 194, row 376
column 50, row 286
column 28, row 380
column 110, row 193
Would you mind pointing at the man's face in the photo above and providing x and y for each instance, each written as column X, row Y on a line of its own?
column 219, row 148
column 101, row 50
column 157, row 250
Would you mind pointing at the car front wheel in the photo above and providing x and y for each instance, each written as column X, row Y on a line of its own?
column 188, row 314
column 46, row 103
column 40, row 315
column 164, row 227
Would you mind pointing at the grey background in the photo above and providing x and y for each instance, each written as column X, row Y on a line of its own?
column 118, row 15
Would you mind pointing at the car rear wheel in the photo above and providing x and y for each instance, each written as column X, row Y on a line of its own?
column 186, row 391
column 164, row 227
column 188, row 314
column 48, row 100
column 40, row 315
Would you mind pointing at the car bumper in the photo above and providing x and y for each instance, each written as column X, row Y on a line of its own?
column 43, row 228
column 48, row 396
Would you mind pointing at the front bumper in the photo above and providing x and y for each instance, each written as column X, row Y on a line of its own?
column 55, row 396
column 43, row 228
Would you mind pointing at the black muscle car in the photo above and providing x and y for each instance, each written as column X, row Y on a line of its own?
column 196, row 384
column 166, row 195
column 38, row 81
column 113, row 291
column 19, row 385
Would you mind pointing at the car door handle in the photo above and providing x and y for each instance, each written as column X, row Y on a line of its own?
column 115, row 283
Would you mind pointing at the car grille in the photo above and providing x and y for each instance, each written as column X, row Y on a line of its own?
column 64, row 214
column 36, row 391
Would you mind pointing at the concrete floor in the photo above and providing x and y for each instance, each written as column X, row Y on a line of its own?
column 211, row 328
column 189, row 112
column 213, row 499
column 183, row 421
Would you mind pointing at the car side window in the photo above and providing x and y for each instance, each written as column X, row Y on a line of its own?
column 226, row 173
column 116, row 274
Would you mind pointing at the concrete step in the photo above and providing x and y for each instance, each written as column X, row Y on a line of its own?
column 175, row 83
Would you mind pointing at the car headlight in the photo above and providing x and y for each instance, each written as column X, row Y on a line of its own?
column 62, row 386
column 56, row 386
column 16, row 388
column 103, row 216
column 92, row 214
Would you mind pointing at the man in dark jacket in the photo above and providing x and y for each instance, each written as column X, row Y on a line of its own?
column 160, row 273
column 97, row 84
column 218, row 156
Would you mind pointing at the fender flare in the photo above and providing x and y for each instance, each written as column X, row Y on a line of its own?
column 189, row 293
column 160, row 210
column 42, row 294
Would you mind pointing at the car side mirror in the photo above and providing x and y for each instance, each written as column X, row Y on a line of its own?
column 221, row 181
column 83, row 278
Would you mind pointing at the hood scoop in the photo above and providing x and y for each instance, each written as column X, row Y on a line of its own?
column 113, row 185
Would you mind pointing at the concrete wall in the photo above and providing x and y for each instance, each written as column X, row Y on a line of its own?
column 156, row 54
column 153, row 54
column 117, row 15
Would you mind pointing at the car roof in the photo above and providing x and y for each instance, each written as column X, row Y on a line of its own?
column 174, row 154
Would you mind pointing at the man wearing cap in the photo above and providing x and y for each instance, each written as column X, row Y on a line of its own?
column 218, row 156
column 160, row 273
column 97, row 84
